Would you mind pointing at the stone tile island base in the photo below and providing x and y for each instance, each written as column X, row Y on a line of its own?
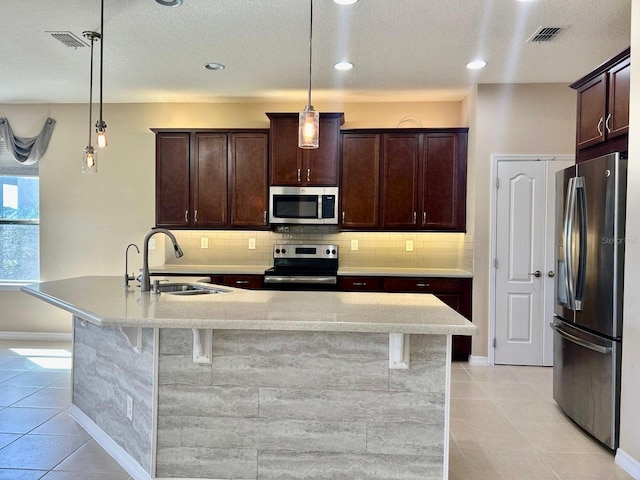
column 271, row 405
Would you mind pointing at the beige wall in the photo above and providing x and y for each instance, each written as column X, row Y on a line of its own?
column 88, row 220
column 629, row 412
column 508, row 119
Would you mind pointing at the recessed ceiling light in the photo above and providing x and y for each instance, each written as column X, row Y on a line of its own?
column 169, row 3
column 345, row 2
column 343, row 66
column 476, row 65
column 214, row 66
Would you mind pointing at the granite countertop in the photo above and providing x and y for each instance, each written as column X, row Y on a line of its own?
column 170, row 269
column 105, row 302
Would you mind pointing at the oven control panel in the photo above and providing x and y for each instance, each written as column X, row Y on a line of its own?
column 290, row 250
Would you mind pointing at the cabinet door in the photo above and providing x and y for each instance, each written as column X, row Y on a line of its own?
column 617, row 122
column 172, row 180
column 285, row 156
column 360, row 184
column 400, row 155
column 592, row 104
column 444, row 178
column 249, row 186
column 209, row 179
column 320, row 166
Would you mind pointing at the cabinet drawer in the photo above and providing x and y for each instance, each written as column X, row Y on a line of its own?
column 360, row 284
column 422, row 284
column 251, row 282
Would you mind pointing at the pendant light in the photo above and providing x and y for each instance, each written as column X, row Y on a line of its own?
column 90, row 158
column 309, row 119
column 101, row 126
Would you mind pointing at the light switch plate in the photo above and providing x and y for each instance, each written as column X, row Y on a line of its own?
column 204, row 242
column 252, row 244
column 354, row 244
column 408, row 245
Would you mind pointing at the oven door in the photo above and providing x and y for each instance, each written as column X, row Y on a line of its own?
column 301, row 282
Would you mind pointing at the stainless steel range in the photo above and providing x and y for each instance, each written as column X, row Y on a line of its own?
column 303, row 267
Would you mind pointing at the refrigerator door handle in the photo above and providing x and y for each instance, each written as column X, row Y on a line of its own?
column 581, row 342
column 568, row 241
column 581, row 203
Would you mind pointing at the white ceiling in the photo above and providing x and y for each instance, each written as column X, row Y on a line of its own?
column 402, row 49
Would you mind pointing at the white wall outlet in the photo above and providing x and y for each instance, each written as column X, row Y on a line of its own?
column 252, row 244
column 152, row 244
column 130, row 408
column 408, row 245
column 204, row 242
column 354, row 244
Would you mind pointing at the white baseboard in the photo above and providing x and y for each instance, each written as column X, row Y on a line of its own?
column 478, row 360
column 36, row 336
column 628, row 463
column 118, row 453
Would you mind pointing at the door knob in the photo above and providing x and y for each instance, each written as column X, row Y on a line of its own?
column 536, row 274
column 551, row 273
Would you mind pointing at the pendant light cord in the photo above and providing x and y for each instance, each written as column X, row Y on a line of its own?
column 101, row 51
column 91, row 94
column 310, row 47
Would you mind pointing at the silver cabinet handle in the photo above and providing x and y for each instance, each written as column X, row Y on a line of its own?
column 424, row 217
column 599, row 126
column 536, row 274
column 343, row 216
column 551, row 273
column 264, row 217
column 606, row 124
column 298, row 175
column 186, row 215
column 423, row 284
column 195, row 216
column 415, row 217
column 359, row 284
column 242, row 282
column 308, row 174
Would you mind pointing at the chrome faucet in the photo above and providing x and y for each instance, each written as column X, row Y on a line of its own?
column 145, row 283
column 128, row 277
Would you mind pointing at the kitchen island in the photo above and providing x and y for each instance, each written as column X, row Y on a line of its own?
column 261, row 384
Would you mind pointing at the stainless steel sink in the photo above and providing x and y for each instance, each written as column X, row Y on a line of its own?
column 185, row 289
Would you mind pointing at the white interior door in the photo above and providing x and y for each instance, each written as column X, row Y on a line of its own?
column 520, row 246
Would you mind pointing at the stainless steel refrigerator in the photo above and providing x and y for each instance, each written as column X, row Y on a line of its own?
column 587, row 343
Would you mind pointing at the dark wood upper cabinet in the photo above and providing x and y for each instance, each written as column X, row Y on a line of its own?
column 360, row 185
column 249, row 186
column 444, row 181
column 400, row 166
column 603, row 108
column 422, row 180
column 290, row 165
column 172, row 179
column 211, row 178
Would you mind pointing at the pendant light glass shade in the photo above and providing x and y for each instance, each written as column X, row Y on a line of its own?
column 308, row 128
column 309, row 119
column 90, row 160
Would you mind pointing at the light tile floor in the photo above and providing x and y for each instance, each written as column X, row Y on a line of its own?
column 504, row 425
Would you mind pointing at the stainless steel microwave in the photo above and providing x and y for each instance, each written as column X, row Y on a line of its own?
column 303, row 205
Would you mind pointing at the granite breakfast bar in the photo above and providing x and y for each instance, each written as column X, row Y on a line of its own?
column 261, row 384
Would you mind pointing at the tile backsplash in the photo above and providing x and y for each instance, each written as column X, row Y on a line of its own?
column 383, row 249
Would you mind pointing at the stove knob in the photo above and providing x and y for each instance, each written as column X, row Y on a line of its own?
column 333, row 251
column 328, row 251
column 277, row 250
column 284, row 251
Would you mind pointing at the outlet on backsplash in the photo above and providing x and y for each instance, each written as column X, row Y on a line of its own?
column 204, row 242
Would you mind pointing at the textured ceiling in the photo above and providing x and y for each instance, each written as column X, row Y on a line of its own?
column 403, row 50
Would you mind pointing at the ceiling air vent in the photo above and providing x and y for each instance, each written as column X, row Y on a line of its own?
column 546, row 34
column 69, row 39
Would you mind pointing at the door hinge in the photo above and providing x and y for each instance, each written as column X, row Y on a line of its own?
column 495, row 343
column 495, row 263
column 497, row 182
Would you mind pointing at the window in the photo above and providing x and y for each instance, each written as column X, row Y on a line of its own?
column 19, row 220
